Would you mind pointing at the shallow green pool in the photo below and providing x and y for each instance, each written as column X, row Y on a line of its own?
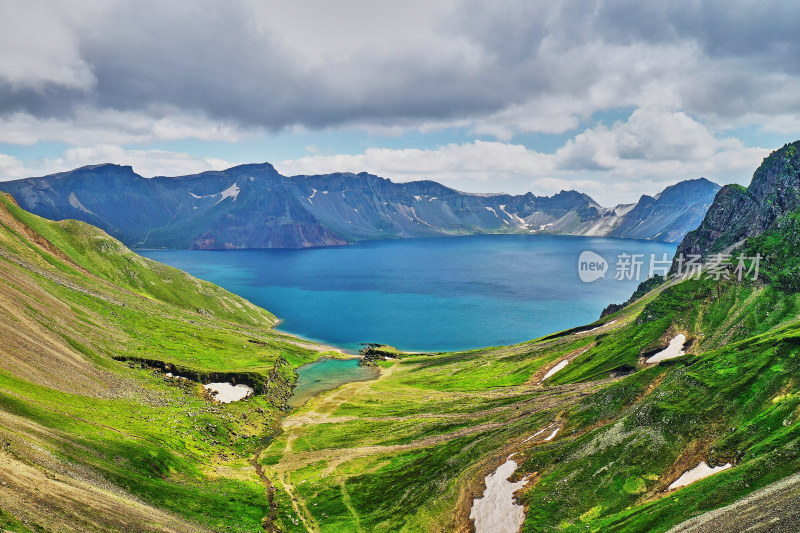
column 326, row 374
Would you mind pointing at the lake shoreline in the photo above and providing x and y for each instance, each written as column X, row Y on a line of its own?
column 326, row 374
column 443, row 294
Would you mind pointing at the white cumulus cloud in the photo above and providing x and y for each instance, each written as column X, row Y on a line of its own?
column 614, row 164
column 147, row 163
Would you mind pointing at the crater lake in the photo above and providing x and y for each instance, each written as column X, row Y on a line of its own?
column 433, row 294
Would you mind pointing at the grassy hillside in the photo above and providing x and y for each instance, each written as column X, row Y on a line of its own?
column 84, row 253
column 401, row 453
column 82, row 416
column 90, row 438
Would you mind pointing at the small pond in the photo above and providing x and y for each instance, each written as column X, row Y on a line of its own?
column 326, row 374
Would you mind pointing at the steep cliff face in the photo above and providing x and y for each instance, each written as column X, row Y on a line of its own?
column 670, row 215
column 253, row 206
column 738, row 213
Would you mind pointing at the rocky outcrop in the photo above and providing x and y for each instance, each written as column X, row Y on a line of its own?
column 276, row 386
column 738, row 213
column 281, row 382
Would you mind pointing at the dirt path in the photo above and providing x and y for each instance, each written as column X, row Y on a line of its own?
column 320, row 413
column 349, row 504
column 299, row 504
column 322, row 409
column 336, row 456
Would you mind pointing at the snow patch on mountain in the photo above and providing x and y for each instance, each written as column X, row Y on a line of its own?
column 74, row 202
column 231, row 192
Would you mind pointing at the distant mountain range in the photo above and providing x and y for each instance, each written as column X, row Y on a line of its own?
column 253, row 206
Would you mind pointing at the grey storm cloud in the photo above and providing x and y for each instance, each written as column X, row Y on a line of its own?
column 234, row 61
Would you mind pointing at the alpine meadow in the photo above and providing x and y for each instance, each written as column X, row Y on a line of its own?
column 364, row 334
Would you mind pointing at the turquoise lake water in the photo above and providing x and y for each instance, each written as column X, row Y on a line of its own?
column 436, row 294
column 326, row 374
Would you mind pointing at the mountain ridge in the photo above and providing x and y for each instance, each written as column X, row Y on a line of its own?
column 254, row 206
column 739, row 213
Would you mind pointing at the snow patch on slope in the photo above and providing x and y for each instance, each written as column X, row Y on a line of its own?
column 675, row 349
column 74, row 202
column 228, row 392
column 552, row 371
column 552, row 435
column 497, row 512
column 696, row 474
column 231, row 192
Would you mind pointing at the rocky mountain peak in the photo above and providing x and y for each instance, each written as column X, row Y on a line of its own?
column 738, row 213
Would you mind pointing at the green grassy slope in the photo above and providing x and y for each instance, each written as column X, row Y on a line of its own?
column 401, row 453
column 735, row 403
column 73, row 300
column 408, row 451
column 84, row 253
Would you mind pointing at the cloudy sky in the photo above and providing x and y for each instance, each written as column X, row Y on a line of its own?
column 613, row 98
